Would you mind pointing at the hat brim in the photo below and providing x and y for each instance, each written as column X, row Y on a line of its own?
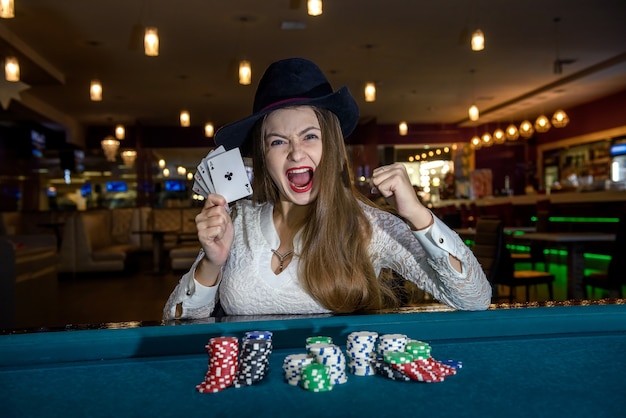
column 341, row 103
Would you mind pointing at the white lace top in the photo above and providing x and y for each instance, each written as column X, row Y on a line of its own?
column 248, row 286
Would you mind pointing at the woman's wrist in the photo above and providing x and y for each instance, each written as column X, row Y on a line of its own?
column 207, row 272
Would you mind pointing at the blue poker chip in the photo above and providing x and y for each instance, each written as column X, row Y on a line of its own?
column 452, row 363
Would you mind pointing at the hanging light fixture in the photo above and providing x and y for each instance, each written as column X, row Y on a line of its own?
column 473, row 112
column 542, row 124
column 11, row 69
column 95, row 90
column 245, row 72
column 185, row 119
column 526, row 129
column 512, row 133
column 499, row 137
column 181, row 170
column 314, row 7
column 476, row 142
column 166, row 172
column 129, row 157
column 478, row 40
column 7, row 9
column 560, row 119
column 151, row 42
column 486, row 139
column 370, row 92
column 110, row 146
column 403, row 128
column 120, row 132
column 161, row 163
column 209, row 130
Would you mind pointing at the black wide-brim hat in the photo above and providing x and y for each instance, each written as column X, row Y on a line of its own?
column 286, row 83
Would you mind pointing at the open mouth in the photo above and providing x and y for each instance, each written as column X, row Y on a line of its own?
column 300, row 179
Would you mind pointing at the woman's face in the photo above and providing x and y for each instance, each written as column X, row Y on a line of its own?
column 293, row 151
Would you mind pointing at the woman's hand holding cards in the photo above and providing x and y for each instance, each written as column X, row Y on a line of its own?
column 216, row 234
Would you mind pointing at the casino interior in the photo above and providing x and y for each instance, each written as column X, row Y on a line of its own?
column 102, row 128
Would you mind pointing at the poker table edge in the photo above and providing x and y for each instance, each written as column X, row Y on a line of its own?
column 31, row 349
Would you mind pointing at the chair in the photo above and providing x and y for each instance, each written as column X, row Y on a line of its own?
column 614, row 277
column 493, row 255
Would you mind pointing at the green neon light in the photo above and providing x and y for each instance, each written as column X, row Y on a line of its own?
column 561, row 253
column 579, row 219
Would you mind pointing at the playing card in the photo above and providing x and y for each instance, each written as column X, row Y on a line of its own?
column 205, row 177
column 229, row 175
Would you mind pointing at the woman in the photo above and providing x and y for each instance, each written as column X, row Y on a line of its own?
column 307, row 242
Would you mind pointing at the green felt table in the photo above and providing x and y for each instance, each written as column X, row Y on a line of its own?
column 538, row 361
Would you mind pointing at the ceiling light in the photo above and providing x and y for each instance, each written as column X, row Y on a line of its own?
column 110, row 146
column 370, row 92
column 499, row 137
column 120, row 132
column 181, row 170
column 478, row 40
column 487, row 139
column 7, row 9
column 11, row 69
column 161, row 163
column 542, row 124
column 95, row 90
column 209, row 130
column 473, row 112
column 129, row 157
column 403, row 129
column 314, row 7
column 560, row 119
column 476, row 142
column 185, row 119
column 526, row 129
column 245, row 73
column 512, row 133
column 151, row 42
column 166, row 172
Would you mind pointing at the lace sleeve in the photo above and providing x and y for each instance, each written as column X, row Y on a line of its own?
column 188, row 302
column 396, row 247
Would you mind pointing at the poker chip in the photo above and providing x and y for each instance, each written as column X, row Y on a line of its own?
column 386, row 370
column 316, row 377
column 391, row 342
column 360, row 350
column 233, row 365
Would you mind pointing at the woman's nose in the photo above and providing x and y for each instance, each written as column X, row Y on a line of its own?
column 296, row 152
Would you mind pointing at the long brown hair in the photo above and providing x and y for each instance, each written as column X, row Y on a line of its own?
column 335, row 266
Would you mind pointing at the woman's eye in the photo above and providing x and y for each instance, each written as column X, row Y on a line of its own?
column 310, row 136
column 276, row 142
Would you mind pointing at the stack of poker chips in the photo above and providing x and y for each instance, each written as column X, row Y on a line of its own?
column 256, row 348
column 322, row 367
column 360, row 348
column 230, row 367
column 223, row 353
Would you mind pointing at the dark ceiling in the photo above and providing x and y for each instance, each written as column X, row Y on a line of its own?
column 417, row 53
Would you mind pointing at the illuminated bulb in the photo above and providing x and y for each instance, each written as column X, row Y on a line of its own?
column 370, row 92
column 512, row 133
column 120, row 132
column 151, row 42
column 526, row 129
column 161, row 163
column 476, row 142
column 542, row 124
column 487, row 139
column 478, row 40
column 499, row 137
column 403, row 128
column 166, row 172
column 11, row 69
column 95, row 90
column 209, row 130
column 314, row 7
column 473, row 112
column 7, row 9
column 185, row 119
column 560, row 119
column 245, row 73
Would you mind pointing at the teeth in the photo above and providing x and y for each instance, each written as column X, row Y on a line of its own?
column 299, row 170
